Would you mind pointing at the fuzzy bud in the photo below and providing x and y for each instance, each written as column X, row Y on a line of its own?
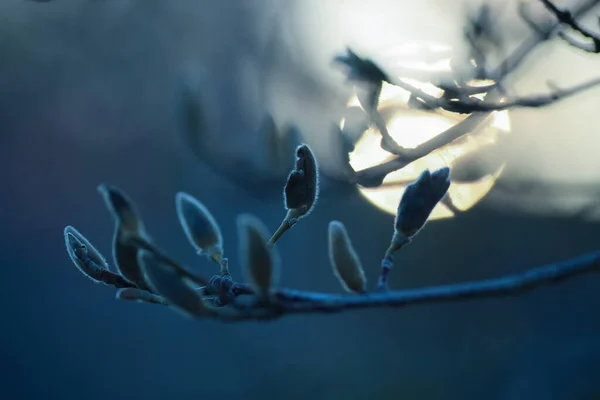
column 128, row 224
column 344, row 260
column 122, row 208
column 259, row 260
column 84, row 255
column 302, row 187
column 419, row 200
column 199, row 226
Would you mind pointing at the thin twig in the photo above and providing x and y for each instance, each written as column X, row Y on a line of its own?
column 287, row 301
column 139, row 295
column 468, row 105
column 374, row 176
column 290, row 301
column 565, row 17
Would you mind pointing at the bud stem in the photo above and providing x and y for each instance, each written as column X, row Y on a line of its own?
column 286, row 224
column 224, row 267
column 398, row 241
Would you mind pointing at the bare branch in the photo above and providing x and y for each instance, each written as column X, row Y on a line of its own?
column 526, row 17
column 289, row 301
column 224, row 299
column 565, row 17
column 462, row 103
column 141, row 296
column 296, row 302
column 509, row 285
column 374, row 176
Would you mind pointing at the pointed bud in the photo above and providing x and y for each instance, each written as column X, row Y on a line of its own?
column 177, row 290
column 258, row 259
column 122, row 208
column 344, row 260
column 199, row 226
column 302, row 187
column 419, row 200
column 128, row 223
column 85, row 256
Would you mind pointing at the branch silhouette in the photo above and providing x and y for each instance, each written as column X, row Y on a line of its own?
column 565, row 17
column 457, row 95
column 145, row 273
column 161, row 280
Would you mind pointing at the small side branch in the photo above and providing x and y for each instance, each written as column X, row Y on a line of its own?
column 456, row 99
column 463, row 104
column 565, row 17
column 374, row 176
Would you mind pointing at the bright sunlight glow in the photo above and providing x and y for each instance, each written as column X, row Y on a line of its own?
column 410, row 127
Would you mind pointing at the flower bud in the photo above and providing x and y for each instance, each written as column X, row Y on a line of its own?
column 302, row 187
column 122, row 208
column 419, row 200
column 344, row 260
column 199, row 226
column 259, row 260
column 84, row 255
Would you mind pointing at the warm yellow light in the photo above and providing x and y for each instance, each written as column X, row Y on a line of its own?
column 409, row 128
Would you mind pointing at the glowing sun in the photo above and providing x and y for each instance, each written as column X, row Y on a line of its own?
column 411, row 127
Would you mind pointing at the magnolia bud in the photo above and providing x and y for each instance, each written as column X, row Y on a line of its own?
column 199, row 226
column 259, row 260
column 344, row 260
column 84, row 255
column 419, row 200
column 302, row 187
column 122, row 208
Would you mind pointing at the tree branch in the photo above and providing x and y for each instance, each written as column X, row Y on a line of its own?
column 374, row 176
column 222, row 298
column 482, row 110
column 464, row 104
column 302, row 302
column 504, row 286
column 565, row 17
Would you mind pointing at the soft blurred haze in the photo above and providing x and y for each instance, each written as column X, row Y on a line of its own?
column 87, row 96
